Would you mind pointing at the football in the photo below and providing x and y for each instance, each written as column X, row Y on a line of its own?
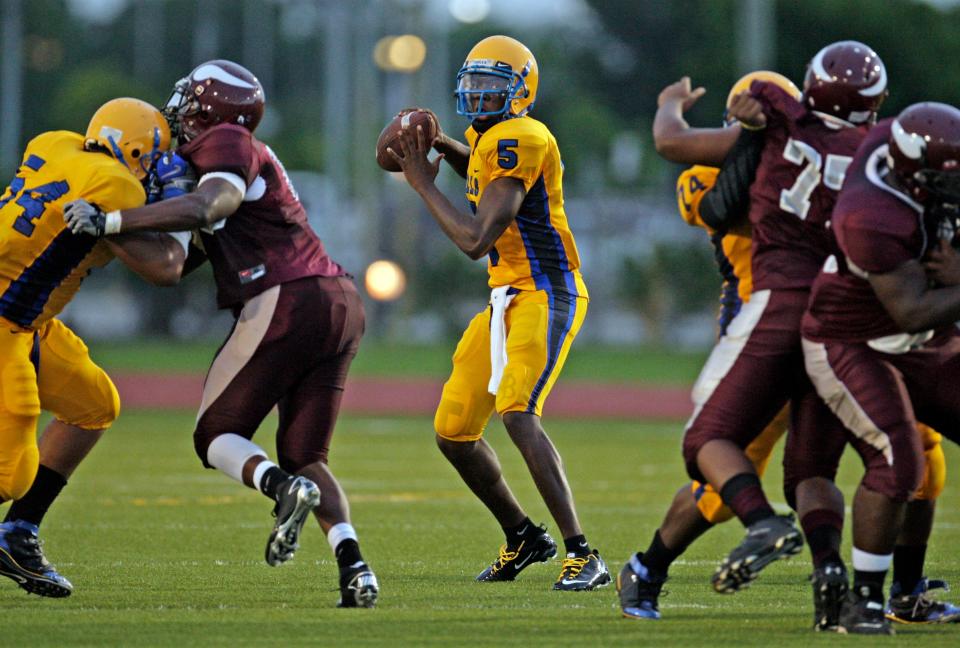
column 410, row 118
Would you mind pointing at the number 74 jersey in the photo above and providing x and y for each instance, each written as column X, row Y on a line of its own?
column 537, row 250
column 41, row 262
column 802, row 167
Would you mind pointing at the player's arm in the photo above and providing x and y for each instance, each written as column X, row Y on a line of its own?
column 158, row 258
column 676, row 140
column 455, row 152
column 473, row 235
column 728, row 201
column 912, row 303
column 216, row 198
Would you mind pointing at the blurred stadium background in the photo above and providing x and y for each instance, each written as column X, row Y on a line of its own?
column 335, row 72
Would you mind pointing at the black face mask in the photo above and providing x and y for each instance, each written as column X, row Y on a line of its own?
column 483, row 125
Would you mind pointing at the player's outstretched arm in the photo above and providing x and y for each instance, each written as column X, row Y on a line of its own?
column 214, row 200
column 912, row 304
column 676, row 140
column 156, row 257
column 728, row 201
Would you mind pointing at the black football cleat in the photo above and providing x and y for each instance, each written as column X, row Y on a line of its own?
column 830, row 585
column 860, row 614
column 358, row 587
column 296, row 498
column 766, row 541
column 639, row 591
column 512, row 560
column 579, row 573
column 22, row 560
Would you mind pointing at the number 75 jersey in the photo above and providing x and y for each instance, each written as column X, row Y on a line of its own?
column 804, row 160
column 537, row 250
column 42, row 263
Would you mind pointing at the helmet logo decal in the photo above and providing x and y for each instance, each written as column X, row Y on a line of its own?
column 109, row 132
column 879, row 86
column 911, row 145
column 219, row 74
column 817, row 65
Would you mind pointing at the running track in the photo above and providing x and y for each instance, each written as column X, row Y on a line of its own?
column 384, row 396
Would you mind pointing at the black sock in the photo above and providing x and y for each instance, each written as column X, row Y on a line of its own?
column 908, row 566
column 869, row 584
column 744, row 495
column 348, row 553
column 526, row 530
column 33, row 506
column 271, row 480
column 658, row 557
column 576, row 545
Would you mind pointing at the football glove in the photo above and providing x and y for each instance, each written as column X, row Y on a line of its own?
column 170, row 177
column 83, row 218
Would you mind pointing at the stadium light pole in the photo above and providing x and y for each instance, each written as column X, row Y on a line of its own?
column 11, row 82
column 755, row 30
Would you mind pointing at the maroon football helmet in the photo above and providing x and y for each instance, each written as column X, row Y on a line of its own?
column 216, row 92
column 846, row 80
column 924, row 152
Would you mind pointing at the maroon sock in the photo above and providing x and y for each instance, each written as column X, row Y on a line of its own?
column 823, row 529
column 743, row 494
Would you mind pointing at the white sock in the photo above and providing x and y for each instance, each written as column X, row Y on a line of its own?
column 340, row 532
column 258, row 472
column 868, row 562
column 229, row 452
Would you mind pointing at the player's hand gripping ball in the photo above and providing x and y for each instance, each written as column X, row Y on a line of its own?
column 405, row 119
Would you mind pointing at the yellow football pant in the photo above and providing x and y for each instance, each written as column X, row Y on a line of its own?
column 48, row 368
column 540, row 329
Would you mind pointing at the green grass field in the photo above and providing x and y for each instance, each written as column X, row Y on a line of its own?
column 164, row 553
column 596, row 363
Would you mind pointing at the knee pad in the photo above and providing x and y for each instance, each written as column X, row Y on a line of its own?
column 18, row 472
column 457, row 421
column 935, row 475
column 709, row 504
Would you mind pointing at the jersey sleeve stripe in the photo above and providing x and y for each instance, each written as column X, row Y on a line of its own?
column 24, row 299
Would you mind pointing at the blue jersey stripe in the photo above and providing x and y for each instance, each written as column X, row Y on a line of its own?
column 562, row 310
column 549, row 265
column 730, row 301
column 25, row 297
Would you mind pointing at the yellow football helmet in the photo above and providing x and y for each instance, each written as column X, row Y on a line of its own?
column 498, row 67
column 744, row 82
column 131, row 130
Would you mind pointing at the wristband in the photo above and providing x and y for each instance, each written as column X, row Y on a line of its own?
column 112, row 223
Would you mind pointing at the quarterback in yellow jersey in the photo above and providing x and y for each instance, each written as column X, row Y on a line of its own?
column 43, row 364
column 512, row 352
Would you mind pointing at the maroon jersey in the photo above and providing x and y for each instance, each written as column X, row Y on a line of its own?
column 801, row 169
column 878, row 229
column 268, row 240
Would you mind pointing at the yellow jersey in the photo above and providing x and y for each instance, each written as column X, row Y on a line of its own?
column 537, row 250
column 42, row 263
column 733, row 247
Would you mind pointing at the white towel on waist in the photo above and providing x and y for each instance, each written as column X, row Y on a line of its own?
column 499, row 300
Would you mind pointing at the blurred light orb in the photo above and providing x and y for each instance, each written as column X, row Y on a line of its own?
column 469, row 11
column 385, row 280
column 404, row 53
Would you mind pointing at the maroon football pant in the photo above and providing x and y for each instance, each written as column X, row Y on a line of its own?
column 754, row 370
column 291, row 347
column 880, row 396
